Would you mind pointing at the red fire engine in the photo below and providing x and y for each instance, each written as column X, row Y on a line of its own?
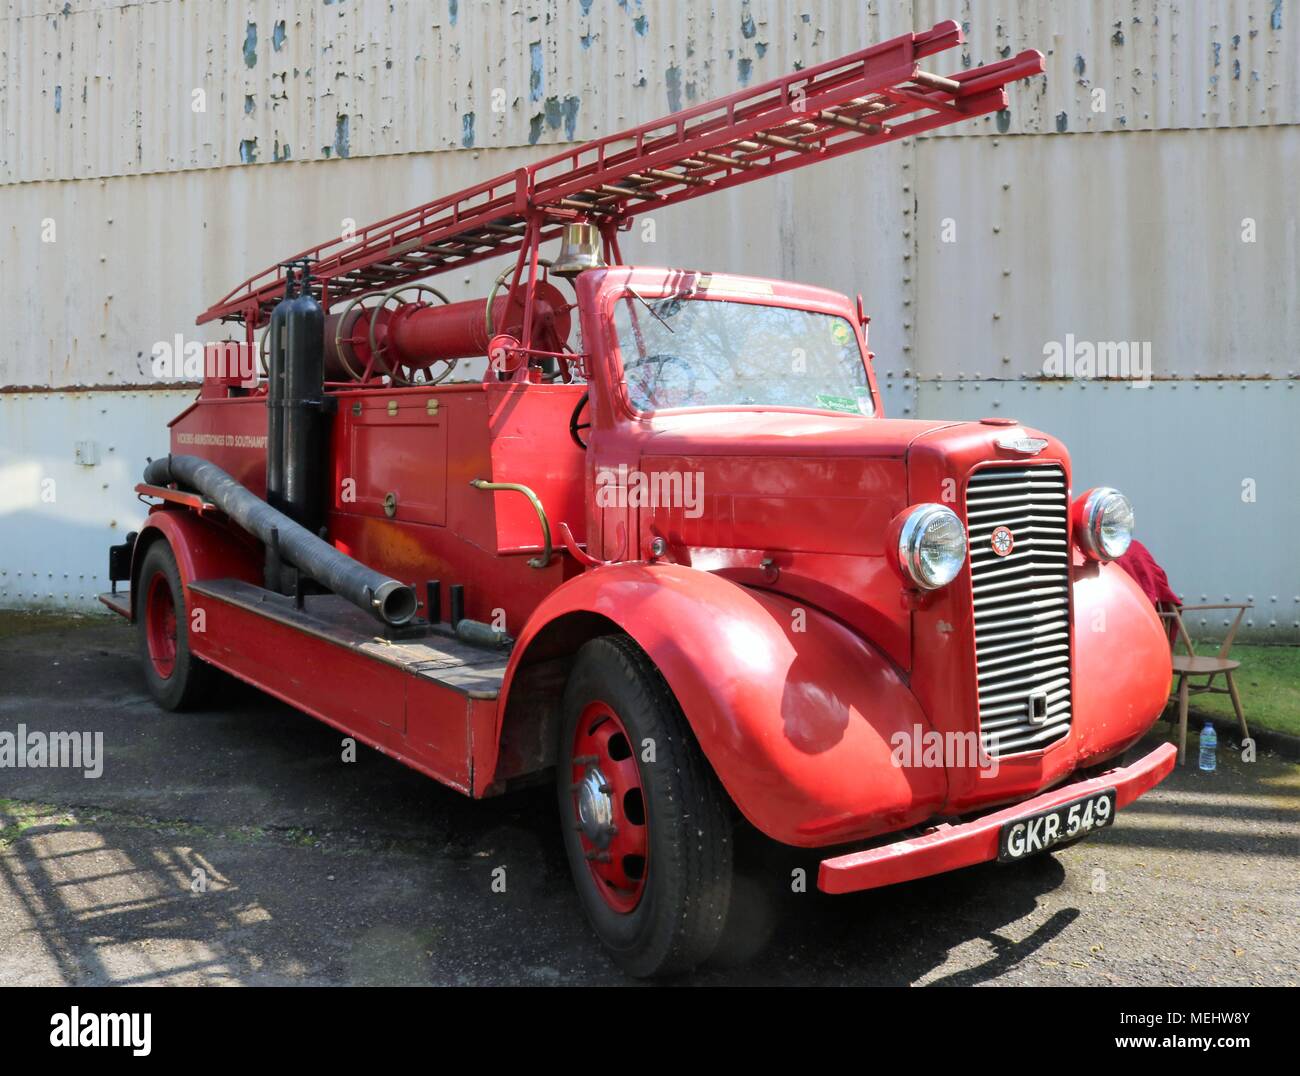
column 667, row 547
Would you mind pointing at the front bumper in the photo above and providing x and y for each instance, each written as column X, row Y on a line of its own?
column 947, row 847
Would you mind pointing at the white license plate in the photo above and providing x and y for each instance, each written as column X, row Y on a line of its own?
column 1038, row 832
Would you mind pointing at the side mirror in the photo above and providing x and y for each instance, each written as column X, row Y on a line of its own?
column 863, row 319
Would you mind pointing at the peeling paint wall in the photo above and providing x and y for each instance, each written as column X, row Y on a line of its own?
column 1117, row 216
column 134, row 259
column 1136, row 65
column 181, row 84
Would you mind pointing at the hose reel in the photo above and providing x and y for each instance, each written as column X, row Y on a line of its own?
column 404, row 373
column 362, row 356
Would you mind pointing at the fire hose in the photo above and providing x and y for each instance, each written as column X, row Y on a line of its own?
column 390, row 601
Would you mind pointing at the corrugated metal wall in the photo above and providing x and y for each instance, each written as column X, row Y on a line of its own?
column 95, row 88
column 1105, row 217
column 1162, row 64
column 59, row 512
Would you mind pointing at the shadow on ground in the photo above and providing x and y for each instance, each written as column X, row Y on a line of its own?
column 234, row 845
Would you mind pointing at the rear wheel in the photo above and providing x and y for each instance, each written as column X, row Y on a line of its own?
column 175, row 677
column 646, row 825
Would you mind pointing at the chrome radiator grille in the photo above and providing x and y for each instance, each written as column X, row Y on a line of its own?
column 1022, row 606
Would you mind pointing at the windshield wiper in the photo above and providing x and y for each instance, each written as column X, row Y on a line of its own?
column 653, row 312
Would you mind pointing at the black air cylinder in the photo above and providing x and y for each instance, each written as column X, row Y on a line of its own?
column 305, row 448
column 275, row 378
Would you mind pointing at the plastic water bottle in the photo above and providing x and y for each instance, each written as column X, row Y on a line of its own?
column 1209, row 748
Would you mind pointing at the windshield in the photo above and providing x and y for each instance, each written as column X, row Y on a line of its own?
column 712, row 353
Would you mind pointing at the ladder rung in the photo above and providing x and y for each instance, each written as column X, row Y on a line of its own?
column 936, row 82
column 784, row 143
column 726, row 162
column 851, row 124
column 868, row 105
column 628, row 192
column 596, row 205
column 402, row 248
column 677, row 177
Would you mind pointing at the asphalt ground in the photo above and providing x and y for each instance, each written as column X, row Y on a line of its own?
column 234, row 846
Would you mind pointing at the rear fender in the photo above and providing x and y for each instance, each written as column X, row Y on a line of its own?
column 203, row 549
column 793, row 710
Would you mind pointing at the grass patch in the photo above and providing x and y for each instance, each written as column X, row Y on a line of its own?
column 16, row 623
column 17, row 816
column 1268, row 683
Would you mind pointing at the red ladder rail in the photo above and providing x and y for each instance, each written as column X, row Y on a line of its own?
column 876, row 95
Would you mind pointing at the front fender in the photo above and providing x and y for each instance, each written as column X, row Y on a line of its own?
column 1122, row 663
column 792, row 709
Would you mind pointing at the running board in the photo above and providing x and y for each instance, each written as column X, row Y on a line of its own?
column 470, row 670
column 119, row 601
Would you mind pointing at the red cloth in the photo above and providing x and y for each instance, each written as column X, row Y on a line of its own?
column 1142, row 566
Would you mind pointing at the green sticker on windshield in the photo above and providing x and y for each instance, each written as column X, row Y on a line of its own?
column 847, row 404
column 840, row 332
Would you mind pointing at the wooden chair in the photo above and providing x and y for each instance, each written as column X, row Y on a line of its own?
column 1189, row 665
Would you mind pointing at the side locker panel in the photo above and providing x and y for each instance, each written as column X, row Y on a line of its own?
column 398, row 459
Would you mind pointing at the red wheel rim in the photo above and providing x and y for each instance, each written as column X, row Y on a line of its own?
column 608, row 805
column 160, row 625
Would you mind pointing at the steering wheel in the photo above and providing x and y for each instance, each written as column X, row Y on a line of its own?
column 664, row 359
column 575, row 425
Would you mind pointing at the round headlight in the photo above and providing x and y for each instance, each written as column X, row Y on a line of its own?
column 1105, row 523
column 932, row 546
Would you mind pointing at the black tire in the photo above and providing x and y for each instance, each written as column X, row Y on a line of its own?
column 682, row 906
column 188, row 679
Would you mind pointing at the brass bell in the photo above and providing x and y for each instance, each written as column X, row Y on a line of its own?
column 579, row 250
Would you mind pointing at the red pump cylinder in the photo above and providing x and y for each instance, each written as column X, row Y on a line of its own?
column 417, row 334
column 460, row 330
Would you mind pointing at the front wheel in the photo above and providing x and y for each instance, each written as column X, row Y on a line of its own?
column 646, row 825
column 175, row 677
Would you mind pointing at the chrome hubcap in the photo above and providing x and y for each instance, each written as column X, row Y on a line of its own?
column 596, row 808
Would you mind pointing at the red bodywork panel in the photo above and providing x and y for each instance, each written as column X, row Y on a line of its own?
column 792, row 708
column 424, row 725
column 204, row 548
column 818, row 502
column 392, row 442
